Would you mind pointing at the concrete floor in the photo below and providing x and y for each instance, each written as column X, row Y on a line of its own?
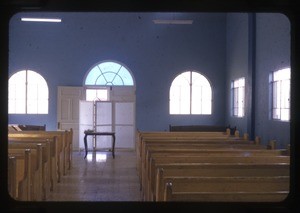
column 100, row 177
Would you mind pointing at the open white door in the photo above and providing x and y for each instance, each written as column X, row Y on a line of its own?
column 68, row 110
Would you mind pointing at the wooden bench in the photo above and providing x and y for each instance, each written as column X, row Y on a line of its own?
column 51, row 143
column 64, row 146
column 157, row 160
column 238, row 150
column 19, row 175
column 144, row 138
column 165, row 171
column 47, row 173
column 227, row 189
column 206, row 153
column 146, row 180
column 161, row 146
column 200, row 149
column 20, row 127
column 197, row 128
column 35, row 169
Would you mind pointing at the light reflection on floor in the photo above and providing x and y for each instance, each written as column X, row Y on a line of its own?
column 96, row 157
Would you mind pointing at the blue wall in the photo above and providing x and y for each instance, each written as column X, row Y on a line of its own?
column 216, row 44
column 155, row 54
column 236, row 62
column 271, row 52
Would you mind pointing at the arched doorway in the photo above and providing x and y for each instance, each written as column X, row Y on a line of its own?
column 109, row 105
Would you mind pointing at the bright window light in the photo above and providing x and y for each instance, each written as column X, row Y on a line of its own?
column 190, row 93
column 41, row 19
column 280, row 82
column 238, row 95
column 28, row 93
column 97, row 94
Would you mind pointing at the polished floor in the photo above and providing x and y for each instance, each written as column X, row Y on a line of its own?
column 100, row 177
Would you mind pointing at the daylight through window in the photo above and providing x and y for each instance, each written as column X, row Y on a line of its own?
column 238, row 97
column 280, row 82
column 27, row 93
column 190, row 93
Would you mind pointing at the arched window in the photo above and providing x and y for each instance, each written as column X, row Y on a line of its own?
column 190, row 93
column 27, row 93
column 109, row 73
column 102, row 76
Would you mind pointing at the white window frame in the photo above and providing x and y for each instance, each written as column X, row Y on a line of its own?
column 108, row 71
column 280, row 90
column 28, row 93
column 97, row 93
column 238, row 97
column 190, row 94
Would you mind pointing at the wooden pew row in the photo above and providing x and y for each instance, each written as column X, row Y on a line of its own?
column 167, row 140
column 186, row 158
column 216, row 170
column 227, row 189
column 36, row 170
column 141, row 154
column 64, row 145
column 141, row 135
column 191, row 147
column 19, row 175
column 149, row 179
column 213, row 137
column 51, row 144
column 198, row 152
column 47, row 172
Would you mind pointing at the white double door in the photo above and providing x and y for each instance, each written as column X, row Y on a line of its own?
column 116, row 115
column 107, row 116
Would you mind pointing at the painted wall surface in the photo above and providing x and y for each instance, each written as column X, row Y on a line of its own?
column 236, row 63
column 273, row 47
column 216, row 45
column 272, row 53
column 64, row 52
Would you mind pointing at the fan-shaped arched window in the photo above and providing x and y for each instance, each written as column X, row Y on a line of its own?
column 109, row 73
column 104, row 75
column 27, row 93
column 190, row 93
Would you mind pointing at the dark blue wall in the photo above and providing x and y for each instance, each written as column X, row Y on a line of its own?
column 273, row 49
column 155, row 54
column 271, row 52
column 236, row 62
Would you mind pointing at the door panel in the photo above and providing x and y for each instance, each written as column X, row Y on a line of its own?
column 68, row 110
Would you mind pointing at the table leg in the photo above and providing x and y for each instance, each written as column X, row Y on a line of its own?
column 113, row 147
column 85, row 145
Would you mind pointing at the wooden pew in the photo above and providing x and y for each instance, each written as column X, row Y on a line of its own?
column 36, row 168
column 227, row 189
column 46, row 174
column 154, row 143
column 205, row 153
column 197, row 128
column 51, row 143
column 166, row 171
column 219, row 144
column 19, row 175
column 143, row 138
column 64, row 144
column 183, row 138
column 157, row 160
column 199, row 150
